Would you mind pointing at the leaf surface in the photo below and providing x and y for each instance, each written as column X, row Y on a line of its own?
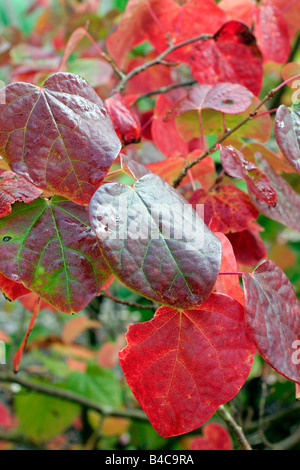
column 154, row 241
column 232, row 208
column 59, row 136
column 200, row 359
column 273, row 315
column 15, row 188
column 232, row 56
column 50, row 247
column 125, row 121
column 287, row 134
column 257, row 181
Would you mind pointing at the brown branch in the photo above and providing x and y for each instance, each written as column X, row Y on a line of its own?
column 159, row 59
column 236, row 430
column 127, row 302
column 165, row 89
column 226, row 134
column 136, row 414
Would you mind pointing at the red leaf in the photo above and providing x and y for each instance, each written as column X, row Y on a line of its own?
column 12, row 290
column 291, row 13
column 231, row 207
column 230, row 98
column 59, row 137
column 200, row 359
column 19, row 353
column 228, row 284
column 238, row 10
column 287, row 134
column 150, row 79
column 215, row 437
column 164, row 134
column 15, row 188
column 276, row 160
column 247, row 246
column 287, row 209
column 125, row 121
column 232, row 56
column 257, row 181
column 154, row 241
column 5, row 418
column 273, row 315
column 272, row 34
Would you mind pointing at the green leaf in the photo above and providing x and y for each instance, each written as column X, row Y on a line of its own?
column 50, row 247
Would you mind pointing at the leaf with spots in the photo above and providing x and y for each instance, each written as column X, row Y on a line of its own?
column 199, row 358
column 287, row 134
column 59, row 136
column 155, row 242
column 231, row 208
column 258, row 183
column 50, row 247
column 273, row 315
column 15, row 188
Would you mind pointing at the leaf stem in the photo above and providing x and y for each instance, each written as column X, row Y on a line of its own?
column 127, row 302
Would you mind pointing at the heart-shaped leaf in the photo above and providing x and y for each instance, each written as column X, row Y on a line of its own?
column 230, row 98
column 287, row 134
column 59, row 136
column 232, row 208
column 236, row 165
column 273, row 315
column 200, row 359
column 232, row 56
column 155, row 242
column 15, row 188
column 247, row 246
column 214, row 437
column 50, row 247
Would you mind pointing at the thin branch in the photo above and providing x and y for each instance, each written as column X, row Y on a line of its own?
column 289, row 442
column 68, row 395
column 127, row 302
column 226, row 134
column 236, row 430
column 165, row 89
column 160, row 59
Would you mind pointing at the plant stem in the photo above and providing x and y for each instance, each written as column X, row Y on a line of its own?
column 68, row 395
column 159, row 59
column 236, row 430
column 165, row 89
column 127, row 302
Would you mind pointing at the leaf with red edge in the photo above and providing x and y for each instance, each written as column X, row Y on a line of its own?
column 273, row 315
column 231, row 207
column 154, row 241
column 50, row 247
column 247, row 246
column 124, row 119
column 287, row 209
column 169, row 169
column 230, row 98
column 15, row 188
column 59, row 136
column 214, row 437
column 287, row 134
column 12, row 290
column 231, row 56
column 236, row 165
column 228, row 284
column 19, row 353
column 272, row 34
column 200, row 359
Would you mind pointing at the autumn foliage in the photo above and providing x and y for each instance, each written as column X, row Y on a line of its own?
column 170, row 130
